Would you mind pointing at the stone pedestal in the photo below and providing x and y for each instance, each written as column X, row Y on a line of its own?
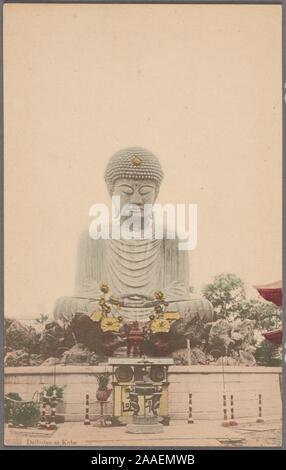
column 144, row 399
column 145, row 425
column 140, row 388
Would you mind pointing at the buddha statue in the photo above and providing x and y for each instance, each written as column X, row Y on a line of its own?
column 133, row 268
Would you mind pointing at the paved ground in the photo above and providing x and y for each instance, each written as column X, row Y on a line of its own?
column 179, row 433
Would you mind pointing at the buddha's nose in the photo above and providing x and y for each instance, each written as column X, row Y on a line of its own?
column 136, row 199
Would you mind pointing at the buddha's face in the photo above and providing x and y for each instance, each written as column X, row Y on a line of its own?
column 133, row 191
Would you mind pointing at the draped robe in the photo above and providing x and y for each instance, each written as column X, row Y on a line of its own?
column 131, row 267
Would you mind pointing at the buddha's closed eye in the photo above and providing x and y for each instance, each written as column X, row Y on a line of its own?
column 145, row 190
column 125, row 189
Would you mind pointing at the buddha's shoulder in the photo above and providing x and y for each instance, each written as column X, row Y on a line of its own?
column 87, row 240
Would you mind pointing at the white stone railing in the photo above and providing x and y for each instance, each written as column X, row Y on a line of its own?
column 206, row 383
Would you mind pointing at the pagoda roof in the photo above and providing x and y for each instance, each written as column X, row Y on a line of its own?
column 274, row 336
column 271, row 292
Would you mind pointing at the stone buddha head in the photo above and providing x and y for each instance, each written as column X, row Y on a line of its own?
column 134, row 174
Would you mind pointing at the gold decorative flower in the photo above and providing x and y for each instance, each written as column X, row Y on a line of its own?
column 96, row 316
column 158, row 309
column 115, row 301
column 172, row 316
column 159, row 295
column 110, row 324
column 160, row 326
column 104, row 288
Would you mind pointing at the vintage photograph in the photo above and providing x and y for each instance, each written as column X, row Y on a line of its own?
column 142, row 225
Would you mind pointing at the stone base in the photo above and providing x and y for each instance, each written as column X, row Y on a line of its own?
column 133, row 428
column 145, row 425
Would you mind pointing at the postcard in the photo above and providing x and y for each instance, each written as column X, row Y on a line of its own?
column 142, row 225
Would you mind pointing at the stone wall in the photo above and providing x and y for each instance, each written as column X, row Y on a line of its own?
column 206, row 383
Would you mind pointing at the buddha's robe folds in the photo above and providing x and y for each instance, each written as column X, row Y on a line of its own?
column 131, row 267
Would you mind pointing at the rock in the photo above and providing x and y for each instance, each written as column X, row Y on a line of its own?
column 195, row 329
column 19, row 336
column 120, row 352
column 20, row 357
column 234, row 339
column 54, row 340
column 245, row 330
column 35, row 360
column 51, row 361
column 246, row 356
column 226, row 361
column 77, row 354
column 220, row 336
column 7, row 323
column 80, row 355
column 87, row 332
column 94, row 359
column 197, row 356
column 17, row 358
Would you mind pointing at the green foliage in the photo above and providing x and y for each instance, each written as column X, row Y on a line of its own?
column 225, row 293
column 266, row 314
column 13, row 396
column 19, row 412
column 8, row 404
column 48, row 390
column 102, row 380
column 19, row 336
column 42, row 319
column 268, row 354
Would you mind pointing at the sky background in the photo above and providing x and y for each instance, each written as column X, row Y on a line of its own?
column 200, row 86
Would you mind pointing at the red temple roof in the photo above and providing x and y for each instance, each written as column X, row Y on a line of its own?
column 271, row 292
column 274, row 336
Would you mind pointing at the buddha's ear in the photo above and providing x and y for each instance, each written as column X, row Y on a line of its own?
column 157, row 190
column 110, row 188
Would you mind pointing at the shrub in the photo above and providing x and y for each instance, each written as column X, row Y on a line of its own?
column 19, row 412
column 48, row 390
column 268, row 354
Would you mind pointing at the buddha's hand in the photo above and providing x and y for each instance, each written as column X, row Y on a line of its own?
column 136, row 300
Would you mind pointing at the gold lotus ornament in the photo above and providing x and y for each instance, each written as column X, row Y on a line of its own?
column 170, row 316
column 104, row 288
column 158, row 310
column 159, row 295
column 96, row 316
column 110, row 324
column 160, row 326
